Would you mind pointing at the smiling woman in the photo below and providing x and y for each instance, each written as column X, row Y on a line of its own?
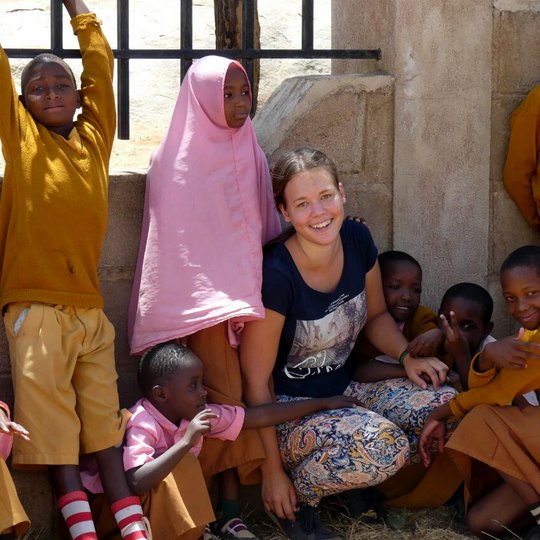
column 321, row 286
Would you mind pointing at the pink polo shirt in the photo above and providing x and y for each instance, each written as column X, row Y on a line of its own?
column 149, row 433
column 6, row 440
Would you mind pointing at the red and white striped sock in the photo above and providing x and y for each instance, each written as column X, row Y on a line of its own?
column 76, row 512
column 129, row 516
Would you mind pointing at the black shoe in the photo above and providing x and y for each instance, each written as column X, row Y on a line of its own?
column 533, row 534
column 363, row 504
column 306, row 527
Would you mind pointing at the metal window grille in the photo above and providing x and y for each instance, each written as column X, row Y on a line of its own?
column 248, row 53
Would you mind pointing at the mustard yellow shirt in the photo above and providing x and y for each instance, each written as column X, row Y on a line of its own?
column 498, row 387
column 53, row 206
column 521, row 174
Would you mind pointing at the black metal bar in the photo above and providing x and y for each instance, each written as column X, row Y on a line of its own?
column 122, row 14
column 248, row 36
column 56, row 26
column 307, row 25
column 186, row 34
column 175, row 54
column 186, row 53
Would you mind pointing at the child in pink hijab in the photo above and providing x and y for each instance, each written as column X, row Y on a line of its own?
column 208, row 210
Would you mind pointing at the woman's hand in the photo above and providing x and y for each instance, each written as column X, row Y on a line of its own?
column 421, row 369
column 278, row 495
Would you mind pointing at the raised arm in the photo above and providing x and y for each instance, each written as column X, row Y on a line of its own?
column 383, row 332
column 258, row 352
column 75, row 7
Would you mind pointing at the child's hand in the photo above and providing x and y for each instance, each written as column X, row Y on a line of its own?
column 454, row 340
column 358, row 220
column 199, row 425
column 420, row 370
column 12, row 428
column 433, row 432
column 340, row 402
column 426, row 344
column 509, row 352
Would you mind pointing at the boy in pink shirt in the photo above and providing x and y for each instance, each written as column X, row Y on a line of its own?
column 165, row 435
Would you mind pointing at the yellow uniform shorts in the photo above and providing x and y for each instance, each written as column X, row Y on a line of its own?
column 64, row 378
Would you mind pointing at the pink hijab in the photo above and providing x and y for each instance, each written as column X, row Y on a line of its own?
column 208, row 210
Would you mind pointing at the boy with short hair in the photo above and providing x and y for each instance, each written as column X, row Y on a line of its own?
column 53, row 216
column 165, row 436
column 505, row 438
column 465, row 319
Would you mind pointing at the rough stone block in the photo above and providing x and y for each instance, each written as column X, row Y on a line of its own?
column 126, row 201
column 509, row 230
column 515, row 68
column 502, row 107
column 317, row 111
column 371, row 200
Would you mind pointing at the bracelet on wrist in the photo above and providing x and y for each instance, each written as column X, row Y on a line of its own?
column 402, row 357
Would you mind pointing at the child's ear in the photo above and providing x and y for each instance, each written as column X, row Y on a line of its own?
column 159, row 393
column 284, row 213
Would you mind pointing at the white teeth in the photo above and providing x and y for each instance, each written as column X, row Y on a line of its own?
column 321, row 225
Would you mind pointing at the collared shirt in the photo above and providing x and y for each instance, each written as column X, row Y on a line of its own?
column 149, row 434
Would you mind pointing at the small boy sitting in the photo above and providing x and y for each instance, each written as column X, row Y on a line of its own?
column 465, row 318
column 401, row 276
column 165, row 434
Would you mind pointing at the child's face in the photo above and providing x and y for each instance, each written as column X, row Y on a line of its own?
column 185, row 395
column 469, row 318
column 51, row 97
column 521, row 290
column 402, row 287
column 237, row 99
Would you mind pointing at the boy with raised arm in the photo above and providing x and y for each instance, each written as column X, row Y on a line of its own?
column 53, row 216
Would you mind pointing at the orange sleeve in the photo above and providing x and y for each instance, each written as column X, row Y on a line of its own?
column 520, row 174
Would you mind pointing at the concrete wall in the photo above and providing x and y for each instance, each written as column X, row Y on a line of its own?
column 460, row 68
column 515, row 71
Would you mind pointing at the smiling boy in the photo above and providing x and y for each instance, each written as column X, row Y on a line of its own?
column 53, row 217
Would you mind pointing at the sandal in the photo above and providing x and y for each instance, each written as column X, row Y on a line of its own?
column 208, row 534
column 236, row 528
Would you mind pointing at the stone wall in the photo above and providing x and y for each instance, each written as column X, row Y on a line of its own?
column 350, row 118
column 460, row 68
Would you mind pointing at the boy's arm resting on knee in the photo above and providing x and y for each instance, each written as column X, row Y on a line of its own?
column 271, row 414
column 75, row 7
column 150, row 474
